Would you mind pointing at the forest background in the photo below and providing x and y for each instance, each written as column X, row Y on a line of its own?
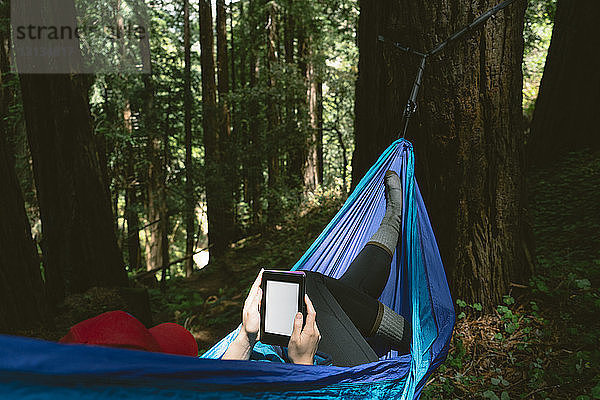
column 255, row 122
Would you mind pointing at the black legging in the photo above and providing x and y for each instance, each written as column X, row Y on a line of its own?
column 347, row 308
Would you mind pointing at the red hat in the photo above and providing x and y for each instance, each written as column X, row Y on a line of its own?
column 119, row 329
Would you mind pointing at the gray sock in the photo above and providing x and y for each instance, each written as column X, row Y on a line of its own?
column 394, row 329
column 391, row 224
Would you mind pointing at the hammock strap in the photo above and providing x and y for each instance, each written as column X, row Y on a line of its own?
column 411, row 105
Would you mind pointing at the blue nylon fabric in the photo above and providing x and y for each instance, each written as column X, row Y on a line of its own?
column 417, row 289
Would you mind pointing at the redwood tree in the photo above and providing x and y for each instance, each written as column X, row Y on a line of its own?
column 190, row 203
column 272, row 115
column 22, row 297
column 566, row 113
column 227, row 152
column 21, row 290
column 79, row 242
column 313, row 149
column 467, row 131
column 218, row 195
column 157, row 245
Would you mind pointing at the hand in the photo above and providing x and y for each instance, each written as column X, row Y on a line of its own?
column 241, row 347
column 304, row 342
column 251, row 311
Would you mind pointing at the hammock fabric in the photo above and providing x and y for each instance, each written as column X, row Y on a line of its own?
column 417, row 289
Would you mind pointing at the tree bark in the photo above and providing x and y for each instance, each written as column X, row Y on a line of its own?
column 296, row 142
column 223, row 63
column 158, row 242
column 228, row 160
column 312, row 168
column 131, row 199
column 467, row 133
column 157, row 210
column 273, row 120
column 106, row 146
column 22, row 296
column 253, row 158
column 190, row 203
column 313, row 165
column 79, row 242
column 566, row 113
column 255, row 154
column 319, row 128
column 217, row 193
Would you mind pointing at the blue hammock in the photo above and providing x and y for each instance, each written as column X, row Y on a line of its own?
column 417, row 289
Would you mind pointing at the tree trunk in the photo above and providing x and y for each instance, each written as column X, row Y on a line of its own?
column 107, row 146
column 566, row 113
column 319, row 128
column 467, row 133
column 80, row 246
column 312, row 162
column 228, row 161
column 273, row 121
column 22, row 297
column 296, row 142
column 131, row 199
column 21, row 290
column 190, row 202
column 223, row 64
column 340, row 139
column 242, row 51
column 158, row 217
column 255, row 155
column 312, row 169
column 232, row 52
column 79, row 242
column 157, row 209
column 217, row 193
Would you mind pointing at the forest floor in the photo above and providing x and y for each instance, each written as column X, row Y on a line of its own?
column 542, row 342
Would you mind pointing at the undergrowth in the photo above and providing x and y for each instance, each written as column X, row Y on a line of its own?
column 545, row 342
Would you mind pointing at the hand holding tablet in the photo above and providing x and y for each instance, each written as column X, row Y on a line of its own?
column 288, row 317
column 251, row 310
column 282, row 298
column 275, row 312
column 304, row 341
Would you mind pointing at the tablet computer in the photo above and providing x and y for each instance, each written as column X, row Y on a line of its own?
column 282, row 298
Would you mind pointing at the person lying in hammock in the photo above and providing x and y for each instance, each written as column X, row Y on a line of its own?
column 347, row 308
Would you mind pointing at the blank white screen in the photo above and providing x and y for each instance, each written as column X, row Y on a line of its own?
column 281, row 307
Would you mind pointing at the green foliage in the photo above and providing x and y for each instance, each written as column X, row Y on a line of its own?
column 595, row 392
column 258, row 137
column 490, row 394
column 464, row 306
column 537, row 32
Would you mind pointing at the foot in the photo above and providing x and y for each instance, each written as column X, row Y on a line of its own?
column 393, row 195
column 387, row 235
